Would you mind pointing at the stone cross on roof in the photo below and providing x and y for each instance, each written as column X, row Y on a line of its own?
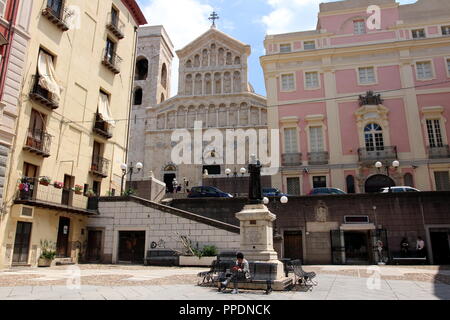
column 213, row 17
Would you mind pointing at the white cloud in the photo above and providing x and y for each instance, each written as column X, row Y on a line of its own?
column 184, row 20
column 290, row 15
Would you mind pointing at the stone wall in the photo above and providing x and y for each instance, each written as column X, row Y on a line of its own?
column 160, row 223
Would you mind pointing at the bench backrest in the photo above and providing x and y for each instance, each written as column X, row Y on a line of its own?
column 162, row 253
column 263, row 270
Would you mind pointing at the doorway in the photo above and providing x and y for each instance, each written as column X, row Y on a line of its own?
column 293, row 248
column 375, row 183
column 94, row 249
column 22, row 243
column 440, row 244
column 168, row 180
column 356, row 247
column 66, row 192
column 132, row 246
column 62, row 244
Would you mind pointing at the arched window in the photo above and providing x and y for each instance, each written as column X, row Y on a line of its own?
column 164, row 76
column 221, row 57
column 205, row 58
column 217, row 83
column 141, row 69
column 197, row 61
column 373, row 135
column 409, row 180
column 237, row 60
column 188, row 85
column 237, row 81
column 181, row 121
column 227, row 82
column 208, row 84
column 189, row 64
column 138, row 97
column 198, row 84
column 162, row 98
column 350, row 180
column 229, row 58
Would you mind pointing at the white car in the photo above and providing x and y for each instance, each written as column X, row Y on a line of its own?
column 399, row 189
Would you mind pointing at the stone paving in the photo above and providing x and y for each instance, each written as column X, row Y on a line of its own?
column 159, row 283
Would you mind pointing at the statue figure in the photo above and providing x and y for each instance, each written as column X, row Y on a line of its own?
column 255, row 192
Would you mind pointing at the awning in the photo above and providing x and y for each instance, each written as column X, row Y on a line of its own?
column 47, row 76
column 104, row 110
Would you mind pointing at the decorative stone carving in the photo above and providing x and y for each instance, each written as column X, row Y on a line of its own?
column 321, row 212
column 370, row 99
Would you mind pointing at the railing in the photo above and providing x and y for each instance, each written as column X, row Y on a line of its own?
column 57, row 14
column 439, row 152
column 102, row 127
column 100, row 166
column 115, row 26
column 92, row 203
column 379, row 154
column 38, row 141
column 318, row 158
column 112, row 61
column 291, row 159
column 41, row 95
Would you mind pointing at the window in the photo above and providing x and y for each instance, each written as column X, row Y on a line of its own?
column 287, row 82
column 285, row 48
column 442, row 180
column 2, row 7
column 312, row 80
column 110, row 50
column 359, row 27
column 164, row 76
column 56, row 6
column 212, row 170
column 434, row 133
column 47, row 75
column 424, row 70
column 408, row 179
column 290, row 140
column 309, row 45
column 104, row 109
column 316, row 139
column 138, row 97
column 320, row 182
column 350, row 181
column 367, row 75
column 446, row 30
column 373, row 134
column 418, row 34
column 448, row 66
column 293, row 186
column 141, row 69
column 114, row 16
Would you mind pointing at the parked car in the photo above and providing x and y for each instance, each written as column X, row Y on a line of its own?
column 324, row 191
column 208, row 192
column 399, row 189
column 273, row 192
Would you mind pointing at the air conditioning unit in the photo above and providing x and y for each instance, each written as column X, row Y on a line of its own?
column 26, row 212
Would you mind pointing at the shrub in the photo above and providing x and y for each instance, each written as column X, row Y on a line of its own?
column 209, row 251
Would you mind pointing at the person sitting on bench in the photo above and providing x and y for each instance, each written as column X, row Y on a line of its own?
column 241, row 271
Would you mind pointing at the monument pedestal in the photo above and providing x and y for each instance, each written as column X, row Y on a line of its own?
column 257, row 240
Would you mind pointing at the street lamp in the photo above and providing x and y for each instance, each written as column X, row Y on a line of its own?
column 129, row 170
column 395, row 164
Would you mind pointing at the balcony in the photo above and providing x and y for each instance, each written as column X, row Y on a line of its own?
column 99, row 167
column 291, row 159
column 439, row 152
column 369, row 156
column 41, row 95
column 111, row 61
column 38, row 142
column 102, row 128
column 57, row 15
column 318, row 158
column 115, row 26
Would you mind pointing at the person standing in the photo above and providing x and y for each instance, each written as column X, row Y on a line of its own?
column 420, row 247
column 404, row 247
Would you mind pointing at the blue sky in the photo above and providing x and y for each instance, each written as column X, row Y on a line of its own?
column 246, row 20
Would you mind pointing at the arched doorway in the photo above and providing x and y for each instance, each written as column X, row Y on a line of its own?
column 170, row 173
column 377, row 182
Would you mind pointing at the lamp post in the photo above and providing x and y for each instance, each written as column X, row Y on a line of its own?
column 395, row 164
column 129, row 170
column 228, row 171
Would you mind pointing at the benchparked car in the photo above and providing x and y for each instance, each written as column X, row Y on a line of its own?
column 325, row 191
column 273, row 192
column 399, row 189
column 208, row 192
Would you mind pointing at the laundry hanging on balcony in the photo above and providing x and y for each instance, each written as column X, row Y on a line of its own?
column 47, row 76
column 104, row 110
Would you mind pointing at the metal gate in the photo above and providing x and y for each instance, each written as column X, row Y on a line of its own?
column 337, row 247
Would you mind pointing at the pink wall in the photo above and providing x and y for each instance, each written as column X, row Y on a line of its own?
column 378, row 36
column 433, row 30
column 301, row 93
column 349, row 129
column 397, row 124
column 388, row 78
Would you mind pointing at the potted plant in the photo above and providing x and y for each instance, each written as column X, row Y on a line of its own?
column 45, row 181
column 48, row 253
column 90, row 193
column 58, row 185
column 25, row 188
column 195, row 257
column 78, row 189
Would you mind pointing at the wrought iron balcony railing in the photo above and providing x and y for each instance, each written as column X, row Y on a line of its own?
column 99, row 166
column 112, row 61
column 41, row 95
column 38, row 141
column 57, row 14
column 439, row 152
column 291, row 159
column 370, row 156
column 115, row 26
column 102, row 128
column 318, row 158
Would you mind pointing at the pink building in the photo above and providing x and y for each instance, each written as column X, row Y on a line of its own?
column 348, row 95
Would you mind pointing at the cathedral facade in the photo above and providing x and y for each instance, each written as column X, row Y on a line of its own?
column 213, row 93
